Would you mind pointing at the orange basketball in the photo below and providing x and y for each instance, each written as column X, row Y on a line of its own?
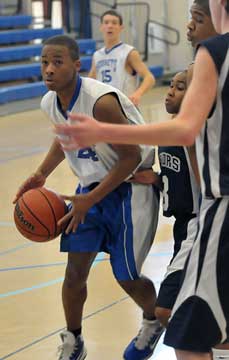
column 37, row 212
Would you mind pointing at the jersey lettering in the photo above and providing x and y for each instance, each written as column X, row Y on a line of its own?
column 170, row 162
column 106, row 76
column 87, row 153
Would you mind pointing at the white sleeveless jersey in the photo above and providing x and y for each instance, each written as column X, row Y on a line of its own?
column 93, row 164
column 111, row 68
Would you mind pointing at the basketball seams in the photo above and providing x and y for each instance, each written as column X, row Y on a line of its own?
column 51, row 208
column 32, row 213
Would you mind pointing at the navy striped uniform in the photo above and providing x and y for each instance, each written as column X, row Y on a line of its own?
column 181, row 200
column 201, row 313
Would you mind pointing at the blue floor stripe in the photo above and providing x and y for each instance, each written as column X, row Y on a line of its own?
column 99, row 257
column 25, row 267
column 16, row 248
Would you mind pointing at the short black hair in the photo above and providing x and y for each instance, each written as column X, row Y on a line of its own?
column 113, row 13
column 204, row 4
column 67, row 41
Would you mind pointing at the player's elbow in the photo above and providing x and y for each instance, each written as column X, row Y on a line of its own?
column 188, row 137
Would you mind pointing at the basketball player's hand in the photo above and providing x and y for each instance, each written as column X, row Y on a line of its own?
column 80, row 206
column 135, row 98
column 145, row 177
column 83, row 131
column 34, row 181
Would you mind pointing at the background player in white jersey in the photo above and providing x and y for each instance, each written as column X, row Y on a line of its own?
column 119, row 64
column 107, row 213
column 200, row 318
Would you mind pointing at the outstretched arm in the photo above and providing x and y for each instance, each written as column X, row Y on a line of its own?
column 182, row 130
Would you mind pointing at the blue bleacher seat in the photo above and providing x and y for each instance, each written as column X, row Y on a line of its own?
column 15, row 21
column 18, row 72
column 15, row 53
column 157, row 71
column 22, row 92
column 25, row 35
column 27, row 71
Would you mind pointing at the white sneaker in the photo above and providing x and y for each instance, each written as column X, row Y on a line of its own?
column 72, row 348
column 143, row 345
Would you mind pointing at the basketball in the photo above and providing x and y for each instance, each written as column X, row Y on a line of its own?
column 37, row 212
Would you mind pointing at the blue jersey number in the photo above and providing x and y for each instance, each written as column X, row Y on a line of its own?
column 87, row 153
column 106, row 76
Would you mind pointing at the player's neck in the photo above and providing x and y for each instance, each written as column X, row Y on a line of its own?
column 65, row 97
column 109, row 44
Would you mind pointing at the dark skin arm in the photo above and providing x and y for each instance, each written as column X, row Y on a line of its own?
column 107, row 109
column 53, row 158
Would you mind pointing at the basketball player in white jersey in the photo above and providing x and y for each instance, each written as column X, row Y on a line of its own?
column 107, row 213
column 119, row 64
column 200, row 317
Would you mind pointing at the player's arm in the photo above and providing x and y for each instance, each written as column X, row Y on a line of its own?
column 92, row 72
column 135, row 63
column 53, row 158
column 183, row 130
column 107, row 109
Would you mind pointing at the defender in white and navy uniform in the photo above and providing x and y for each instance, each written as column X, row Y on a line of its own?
column 124, row 222
column 201, row 313
column 110, row 67
column 181, row 200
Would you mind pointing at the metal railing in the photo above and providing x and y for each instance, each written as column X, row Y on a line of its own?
column 146, row 24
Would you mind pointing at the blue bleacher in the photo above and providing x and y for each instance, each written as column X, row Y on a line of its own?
column 17, row 50
column 15, row 21
column 25, row 35
column 14, row 53
column 157, row 71
column 22, row 92
column 27, row 71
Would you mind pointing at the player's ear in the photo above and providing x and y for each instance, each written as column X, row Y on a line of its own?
column 77, row 65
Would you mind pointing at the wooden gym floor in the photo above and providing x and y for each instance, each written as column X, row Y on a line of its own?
column 31, row 274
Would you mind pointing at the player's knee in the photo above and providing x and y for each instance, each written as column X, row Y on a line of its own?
column 128, row 286
column 163, row 315
column 75, row 277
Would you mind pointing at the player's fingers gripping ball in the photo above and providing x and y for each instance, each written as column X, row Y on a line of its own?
column 37, row 212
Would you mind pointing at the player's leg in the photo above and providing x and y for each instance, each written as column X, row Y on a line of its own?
column 221, row 352
column 139, row 221
column 184, row 233
column 186, row 355
column 143, row 292
column 201, row 312
column 74, row 291
column 74, row 294
column 82, row 247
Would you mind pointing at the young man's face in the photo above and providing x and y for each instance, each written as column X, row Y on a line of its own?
column 59, row 70
column 176, row 93
column 111, row 27
column 200, row 26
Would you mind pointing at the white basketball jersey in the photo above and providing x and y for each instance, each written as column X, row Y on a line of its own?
column 111, row 68
column 93, row 164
